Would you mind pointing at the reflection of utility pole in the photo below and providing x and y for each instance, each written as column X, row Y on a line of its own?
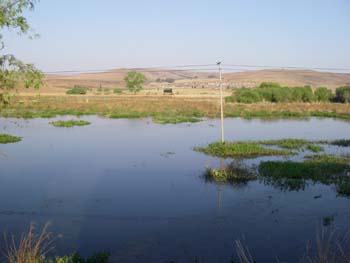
column 221, row 104
column 222, row 166
column 219, row 196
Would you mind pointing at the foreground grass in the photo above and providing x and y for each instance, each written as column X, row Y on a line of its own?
column 69, row 123
column 328, row 247
column 35, row 248
column 240, row 150
column 165, row 109
column 6, row 138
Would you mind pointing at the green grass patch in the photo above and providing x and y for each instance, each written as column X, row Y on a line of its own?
column 126, row 115
column 288, row 143
column 314, row 148
column 232, row 173
column 174, row 119
column 240, row 149
column 6, row 138
column 295, row 144
column 69, row 123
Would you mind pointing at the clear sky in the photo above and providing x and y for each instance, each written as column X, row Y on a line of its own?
column 98, row 34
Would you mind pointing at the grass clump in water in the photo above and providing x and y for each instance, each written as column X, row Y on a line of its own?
column 341, row 142
column 6, row 138
column 327, row 158
column 240, row 149
column 290, row 175
column 288, row 143
column 314, row 148
column 295, row 144
column 174, row 119
column 69, row 123
column 343, row 187
column 232, row 173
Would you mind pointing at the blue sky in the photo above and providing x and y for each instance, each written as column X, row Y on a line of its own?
column 98, row 34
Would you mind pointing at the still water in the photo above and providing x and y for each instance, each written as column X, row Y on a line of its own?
column 134, row 188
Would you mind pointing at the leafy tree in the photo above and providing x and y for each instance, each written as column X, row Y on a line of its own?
column 342, row 94
column 323, row 94
column 134, row 81
column 245, row 95
column 12, row 70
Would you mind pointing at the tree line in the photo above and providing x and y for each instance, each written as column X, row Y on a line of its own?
column 274, row 92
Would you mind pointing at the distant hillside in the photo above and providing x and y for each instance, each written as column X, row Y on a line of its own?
column 289, row 78
column 114, row 78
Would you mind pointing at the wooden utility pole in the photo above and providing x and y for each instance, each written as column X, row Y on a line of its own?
column 221, row 104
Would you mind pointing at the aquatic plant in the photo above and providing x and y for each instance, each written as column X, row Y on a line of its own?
column 341, row 142
column 290, row 175
column 6, row 138
column 328, row 158
column 101, row 257
column 343, row 187
column 69, row 123
column 314, row 148
column 165, row 119
column 288, row 143
column 232, row 173
column 239, row 149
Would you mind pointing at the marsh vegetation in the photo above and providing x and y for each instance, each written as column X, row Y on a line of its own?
column 69, row 123
column 287, row 175
column 7, row 138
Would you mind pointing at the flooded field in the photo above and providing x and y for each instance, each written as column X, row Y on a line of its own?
column 136, row 189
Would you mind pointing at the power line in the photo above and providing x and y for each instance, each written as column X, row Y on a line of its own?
column 284, row 67
column 185, row 68
column 145, row 69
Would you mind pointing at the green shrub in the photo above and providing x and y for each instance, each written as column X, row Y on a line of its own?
column 273, row 92
column 268, row 90
column 77, row 90
column 323, row 94
column 245, row 95
column 308, row 95
column 302, row 94
column 117, row 91
column 342, row 94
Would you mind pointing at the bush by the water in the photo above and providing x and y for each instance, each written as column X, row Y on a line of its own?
column 77, row 90
column 342, row 94
column 245, row 95
column 323, row 94
column 274, row 92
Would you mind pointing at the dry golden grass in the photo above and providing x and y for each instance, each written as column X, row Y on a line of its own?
column 31, row 248
column 148, row 105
